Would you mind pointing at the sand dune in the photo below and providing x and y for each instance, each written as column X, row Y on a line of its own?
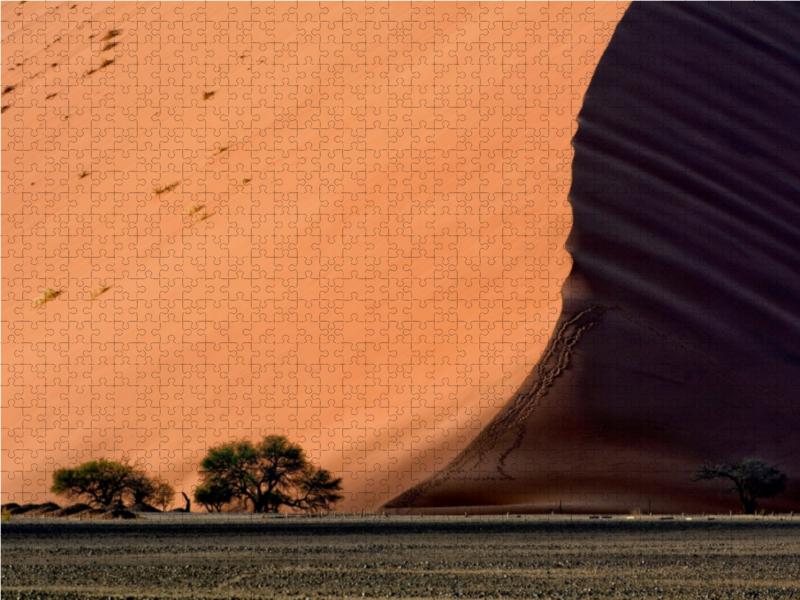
column 679, row 341
column 344, row 223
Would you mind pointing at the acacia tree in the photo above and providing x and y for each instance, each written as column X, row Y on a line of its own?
column 141, row 488
column 750, row 478
column 271, row 474
column 317, row 489
column 105, row 482
column 213, row 495
column 101, row 482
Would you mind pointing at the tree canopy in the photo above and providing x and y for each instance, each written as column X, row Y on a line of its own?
column 105, row 482
column 750, row 478
column 267, row 475
column 141, row 488
column 214, row 495
column 100, row 482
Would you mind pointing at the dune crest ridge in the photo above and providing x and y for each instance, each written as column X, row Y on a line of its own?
column 511, row 421
column 686, row 205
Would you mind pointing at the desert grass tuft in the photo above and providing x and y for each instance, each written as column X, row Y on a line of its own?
column 49, row 96
column 111, row 35
column 200, row 218
column 107, row 62
column 166, row 188
column 47, row 295
column 5, row 108
column 220, row 150
column 8, row 89
column 245, row 180
column 83, row 174
column 191, row 210
column 98, row 292
column 208, row 95
column 6, row 516
column 109, row 46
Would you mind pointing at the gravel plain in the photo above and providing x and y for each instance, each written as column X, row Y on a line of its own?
column 241, row 556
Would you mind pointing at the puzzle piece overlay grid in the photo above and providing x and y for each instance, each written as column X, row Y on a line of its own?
column 339, row 222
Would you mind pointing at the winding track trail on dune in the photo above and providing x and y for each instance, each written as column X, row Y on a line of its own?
column 686, row 246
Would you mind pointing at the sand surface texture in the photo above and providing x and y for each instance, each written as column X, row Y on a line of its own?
column 679, row 341
column 339, row 222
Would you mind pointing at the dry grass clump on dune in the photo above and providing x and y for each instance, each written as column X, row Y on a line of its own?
column 98, row 291
column 47, row 295
column 195, row 215
column 158, row 190
column 111, row 35
column 103, row 65
column 191, row 210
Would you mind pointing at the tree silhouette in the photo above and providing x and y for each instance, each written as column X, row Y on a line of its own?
column 141, row 488
column 214, row 495
column 105, row 482
column 101, row 482
column 750, row 478
column 268, row 475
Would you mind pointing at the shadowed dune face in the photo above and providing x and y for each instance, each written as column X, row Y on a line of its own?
column 343, row 223
column 679, row 341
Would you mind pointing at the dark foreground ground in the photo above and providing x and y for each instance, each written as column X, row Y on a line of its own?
column 220, row 556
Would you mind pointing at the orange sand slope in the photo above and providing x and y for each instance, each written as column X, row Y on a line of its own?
column 344, row 223
column 679, row 340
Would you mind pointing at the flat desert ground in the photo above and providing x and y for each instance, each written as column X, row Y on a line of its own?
column 526, row 556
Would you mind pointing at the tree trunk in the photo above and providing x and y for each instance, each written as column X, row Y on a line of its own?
column 749, row 506
column 188, row 502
